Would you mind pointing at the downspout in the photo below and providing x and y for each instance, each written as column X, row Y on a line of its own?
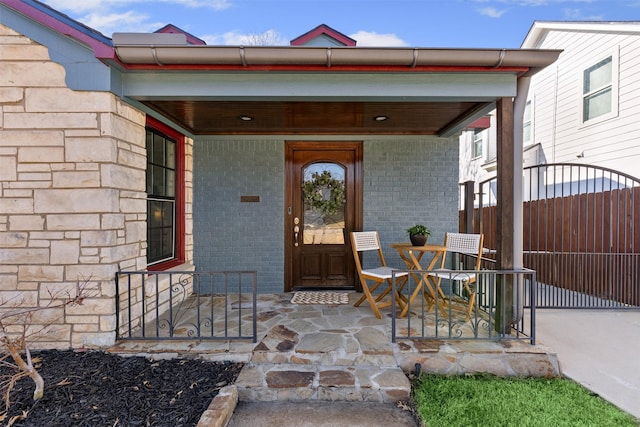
column 519, row 104
column 555, row 115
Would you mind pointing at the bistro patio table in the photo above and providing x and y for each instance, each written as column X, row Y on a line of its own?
column 425, row 284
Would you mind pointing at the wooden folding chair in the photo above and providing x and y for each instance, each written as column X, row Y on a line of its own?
column 463, row 244
column 363, row 241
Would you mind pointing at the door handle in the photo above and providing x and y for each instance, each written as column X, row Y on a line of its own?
column 296, row 230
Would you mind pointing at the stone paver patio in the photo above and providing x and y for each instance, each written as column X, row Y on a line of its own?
column 341, row 352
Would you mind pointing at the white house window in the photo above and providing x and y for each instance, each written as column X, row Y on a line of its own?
column 598, row 90
column 477, row 143
column 526, row 124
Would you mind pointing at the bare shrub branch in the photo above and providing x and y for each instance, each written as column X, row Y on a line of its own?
column 17, row 331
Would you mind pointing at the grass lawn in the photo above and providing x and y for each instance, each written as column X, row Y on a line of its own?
column 491, row 401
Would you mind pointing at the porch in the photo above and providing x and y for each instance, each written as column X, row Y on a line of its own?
column 226, row 115
column 339, row 352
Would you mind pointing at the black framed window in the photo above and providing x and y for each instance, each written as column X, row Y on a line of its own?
column 161, row 197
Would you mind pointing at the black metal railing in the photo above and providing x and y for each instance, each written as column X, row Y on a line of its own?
column 498, row 313
column 179, row 305
column 580, row 233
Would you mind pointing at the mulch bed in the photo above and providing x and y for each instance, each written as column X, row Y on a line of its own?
column 94, row 388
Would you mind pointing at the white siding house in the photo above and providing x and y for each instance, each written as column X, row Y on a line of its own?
column 583, row 108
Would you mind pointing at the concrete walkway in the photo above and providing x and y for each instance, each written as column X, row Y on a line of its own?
column 599, row 349
column 320, row 414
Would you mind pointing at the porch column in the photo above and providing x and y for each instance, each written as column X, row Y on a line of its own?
column 505, row 216
column 510, row 204
column 506, row 189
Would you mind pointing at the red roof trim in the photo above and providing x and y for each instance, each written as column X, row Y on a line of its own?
column 101, row 50
column 323, row 29
column 481, row 123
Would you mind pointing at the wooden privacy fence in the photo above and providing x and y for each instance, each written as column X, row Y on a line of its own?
column 581, row 234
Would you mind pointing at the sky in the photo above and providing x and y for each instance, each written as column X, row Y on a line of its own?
column 415, row 23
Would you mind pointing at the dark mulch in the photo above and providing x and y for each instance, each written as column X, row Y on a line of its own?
column 100, row 389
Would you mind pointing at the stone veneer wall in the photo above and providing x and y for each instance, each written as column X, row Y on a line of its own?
column 72, row 201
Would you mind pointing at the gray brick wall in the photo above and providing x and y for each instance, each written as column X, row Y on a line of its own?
column 408, row 182
column 228, row 234
column 405, row 182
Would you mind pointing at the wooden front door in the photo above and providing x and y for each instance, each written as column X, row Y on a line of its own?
column 323, row 204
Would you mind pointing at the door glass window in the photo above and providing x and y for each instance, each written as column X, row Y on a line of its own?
column 323, row 193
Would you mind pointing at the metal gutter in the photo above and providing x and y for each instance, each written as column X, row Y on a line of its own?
column 519, row 105
column 158, row 51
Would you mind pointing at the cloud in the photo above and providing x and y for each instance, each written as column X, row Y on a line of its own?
column 492, row 12
column 212, row 4
column 108, row 16
column 577, row 15
column 370, row 38
column 236, row 38
column 85, row 6
column 79, row 6
column 495, row 12
column 274, row 38
column 120, row 22
column 534, row 2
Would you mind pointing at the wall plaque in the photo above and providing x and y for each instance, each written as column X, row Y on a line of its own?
column 249, row 199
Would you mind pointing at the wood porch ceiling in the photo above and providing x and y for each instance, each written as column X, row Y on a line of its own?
column 320, row 118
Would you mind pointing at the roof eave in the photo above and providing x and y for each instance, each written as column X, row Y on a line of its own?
column 540, row 28
column 246, row 56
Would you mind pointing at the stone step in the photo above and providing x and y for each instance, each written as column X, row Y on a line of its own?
column 304, row 382
column 327, row 358
column 303, row 362
column 368, row 346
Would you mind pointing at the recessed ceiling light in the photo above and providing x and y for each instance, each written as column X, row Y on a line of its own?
column 380, row 118
column 246, row 118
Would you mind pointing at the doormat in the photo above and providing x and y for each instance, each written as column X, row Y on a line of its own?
column 305, row 297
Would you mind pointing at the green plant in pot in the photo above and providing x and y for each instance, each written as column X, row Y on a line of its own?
column 418, row 234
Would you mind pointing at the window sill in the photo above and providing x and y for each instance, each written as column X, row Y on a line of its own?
column 175, row 264
column 597, row 120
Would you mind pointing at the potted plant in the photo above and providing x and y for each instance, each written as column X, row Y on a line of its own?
column 418, row 234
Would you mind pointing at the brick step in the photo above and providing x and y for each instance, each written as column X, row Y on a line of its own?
column 307, row 382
